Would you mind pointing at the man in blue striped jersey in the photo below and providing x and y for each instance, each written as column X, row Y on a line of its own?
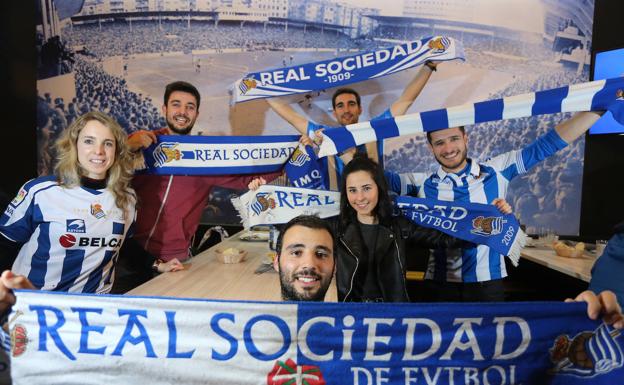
column 476, row 274
column 347, row 108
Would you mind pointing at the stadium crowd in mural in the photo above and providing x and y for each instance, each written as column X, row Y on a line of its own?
column 313, row 192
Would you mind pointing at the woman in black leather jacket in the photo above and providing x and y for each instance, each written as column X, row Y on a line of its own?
column 371, row 239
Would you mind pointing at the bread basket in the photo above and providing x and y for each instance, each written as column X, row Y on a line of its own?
column 231, row 255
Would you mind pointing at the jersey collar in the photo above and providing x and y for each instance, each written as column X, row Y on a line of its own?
column 472, row 168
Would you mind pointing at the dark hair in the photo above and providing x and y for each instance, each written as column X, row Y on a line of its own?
column 309, row 221
column 183, row 87
column 341, row 91
column 461, row 128
column 384, row 209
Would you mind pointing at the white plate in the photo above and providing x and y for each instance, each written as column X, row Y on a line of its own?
column 255, row 236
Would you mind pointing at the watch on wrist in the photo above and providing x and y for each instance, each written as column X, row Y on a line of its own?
column 431, row 66
column 156, row 264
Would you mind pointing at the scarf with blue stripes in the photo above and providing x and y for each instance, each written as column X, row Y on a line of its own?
column 600, row 95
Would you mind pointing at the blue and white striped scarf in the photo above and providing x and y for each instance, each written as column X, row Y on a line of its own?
column 344, row 70
column 598, row 95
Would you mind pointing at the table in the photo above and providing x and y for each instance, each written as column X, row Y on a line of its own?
column 575, row 267
column 206, row 277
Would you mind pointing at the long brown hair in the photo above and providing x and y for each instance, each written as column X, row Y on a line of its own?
column 68, row 169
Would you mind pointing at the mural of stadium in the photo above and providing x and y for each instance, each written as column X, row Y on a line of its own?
column 117, row 55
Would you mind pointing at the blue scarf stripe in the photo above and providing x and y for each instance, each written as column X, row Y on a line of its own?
column 489, row 110
column 549, row 102
column 384, row 128
column 597, row 95
column 435, row 119
column 604, row 95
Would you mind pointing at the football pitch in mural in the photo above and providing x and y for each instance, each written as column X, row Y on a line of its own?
column 116, row 59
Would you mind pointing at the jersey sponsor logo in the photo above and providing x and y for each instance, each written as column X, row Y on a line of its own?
column 76, row 226
column 97, row 211
column 20, row 197
column 69, row 240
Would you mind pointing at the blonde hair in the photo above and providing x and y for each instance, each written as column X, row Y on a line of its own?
column 68, row 169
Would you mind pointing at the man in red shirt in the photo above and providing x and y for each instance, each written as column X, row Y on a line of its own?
column 170, row 206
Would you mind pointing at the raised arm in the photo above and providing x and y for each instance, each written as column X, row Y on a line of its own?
column 577, row 125
column 412, row 90
column 289, row 114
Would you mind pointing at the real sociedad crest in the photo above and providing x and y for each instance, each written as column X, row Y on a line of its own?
column 166, row 152
column 587, row 354
column 299, row 157
column 97, row 211
column 262, row 202
column 247, row 84
column 487, row 226
column 289, row 373
column 439, row 44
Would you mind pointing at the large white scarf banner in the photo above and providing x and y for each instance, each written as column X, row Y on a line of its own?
column 598, row 95
column 345, row 70
column 60, row 338
column 218, row 155
column 275, row 204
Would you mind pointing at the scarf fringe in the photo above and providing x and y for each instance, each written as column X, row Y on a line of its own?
column 516, row 247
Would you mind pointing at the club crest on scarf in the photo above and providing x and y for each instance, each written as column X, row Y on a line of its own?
column 165, row 153
column 587, row 354
column 487, row 225
column 262, row 202
column 289, row 373
column 439, row 44
column 299, row 157
column 19, row 340
column 247, row 84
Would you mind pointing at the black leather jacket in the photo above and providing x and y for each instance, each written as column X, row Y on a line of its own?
column 389, row 254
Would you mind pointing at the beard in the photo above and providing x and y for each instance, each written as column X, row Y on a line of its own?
column 289, row 293
column 451, row 165
column 180, row 131
column 346, row 120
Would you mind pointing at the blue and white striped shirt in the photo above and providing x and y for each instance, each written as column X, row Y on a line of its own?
column 70, row 236
column 477, row 183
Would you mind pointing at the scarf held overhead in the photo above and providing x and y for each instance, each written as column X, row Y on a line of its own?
column 218, row 155
column 62, row 338
column 344, row 70
column 473, row 222
column 599, row 95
